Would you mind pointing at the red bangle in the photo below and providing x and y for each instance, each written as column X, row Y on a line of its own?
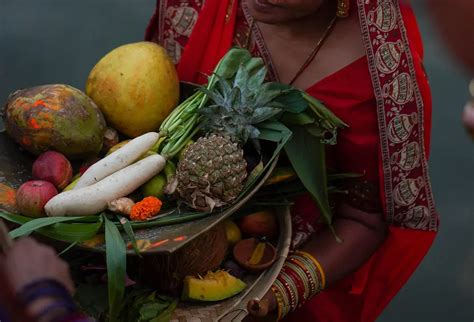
column 298, row 282
column 303, row 278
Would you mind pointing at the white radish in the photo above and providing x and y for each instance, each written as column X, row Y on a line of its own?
column 117, row 160
column 93, row 199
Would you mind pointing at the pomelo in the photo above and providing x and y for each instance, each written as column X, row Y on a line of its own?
column 136, row 86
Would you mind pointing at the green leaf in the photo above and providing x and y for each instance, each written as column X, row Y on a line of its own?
column 254, row 66
column 71, row 232
column 65, row 250
column 256, row 79
column 319, row 108
column 241, row 78
column 151, row 310
column 297, row 118
column 292, row 101
column 131, row 235
column 274, row 131
column 14, row 218
column 38, row 223
column 254, row 174
column 316, row 131
column 214, row 96
column 263, row 113
column 116, row 263
column 307, row 156
column 167, row 314
column 229, row 64
column 268, row 94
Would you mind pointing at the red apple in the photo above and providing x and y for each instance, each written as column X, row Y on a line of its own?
column 33, row 195
column 53, row 167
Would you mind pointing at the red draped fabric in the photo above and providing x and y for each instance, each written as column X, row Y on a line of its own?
column 385, row 99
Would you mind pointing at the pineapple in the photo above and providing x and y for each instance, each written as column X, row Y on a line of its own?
column 211, row 172
column 213, row 169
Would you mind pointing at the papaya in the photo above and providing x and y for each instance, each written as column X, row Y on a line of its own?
column 215, row 286
column 55, row 117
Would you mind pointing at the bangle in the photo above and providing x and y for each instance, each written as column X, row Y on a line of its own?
column 285, row 308
column 55, row 311
column 43, row 288
column 301, row 277
column 309, row 277
column 317, row 264
column 298, row 283
column 290, row 288
column 279, row 301
column 62, row 301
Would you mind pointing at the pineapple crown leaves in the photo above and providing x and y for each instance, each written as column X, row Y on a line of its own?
column 240, row 104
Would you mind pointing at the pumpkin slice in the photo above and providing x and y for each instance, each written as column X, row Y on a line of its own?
column 215, row 286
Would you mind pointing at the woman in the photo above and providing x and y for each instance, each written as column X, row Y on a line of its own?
column 36, row 285
column 363, row 59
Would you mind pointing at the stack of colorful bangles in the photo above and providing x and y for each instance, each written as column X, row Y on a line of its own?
column 61, row 307
column 300, row 278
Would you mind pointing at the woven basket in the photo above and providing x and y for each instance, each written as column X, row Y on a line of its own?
column 166, row 272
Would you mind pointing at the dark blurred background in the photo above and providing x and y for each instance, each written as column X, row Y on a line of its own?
column 59, row 41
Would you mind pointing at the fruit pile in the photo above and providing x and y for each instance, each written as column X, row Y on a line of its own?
column 251, row 255
column 127, row 152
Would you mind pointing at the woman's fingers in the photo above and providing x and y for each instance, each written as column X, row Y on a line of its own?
column 258, row 308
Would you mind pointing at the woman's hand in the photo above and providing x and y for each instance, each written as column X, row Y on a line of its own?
column 28, row 261
column 262, row 310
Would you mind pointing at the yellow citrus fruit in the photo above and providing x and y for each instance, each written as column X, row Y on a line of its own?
column 154, row 187
column 233, row 232
column 135, row 86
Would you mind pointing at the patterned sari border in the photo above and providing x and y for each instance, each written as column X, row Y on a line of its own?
column 400, row 111
column 420, row 105
column 380, row 112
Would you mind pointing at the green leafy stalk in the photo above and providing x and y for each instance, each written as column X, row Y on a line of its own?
column 182, row 124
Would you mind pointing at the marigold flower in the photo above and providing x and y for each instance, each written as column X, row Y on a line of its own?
column 147, row 208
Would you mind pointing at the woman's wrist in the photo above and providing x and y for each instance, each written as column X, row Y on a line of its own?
column 300, row 278
column 47, row 300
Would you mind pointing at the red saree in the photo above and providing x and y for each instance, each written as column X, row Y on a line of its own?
column 385, row 99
